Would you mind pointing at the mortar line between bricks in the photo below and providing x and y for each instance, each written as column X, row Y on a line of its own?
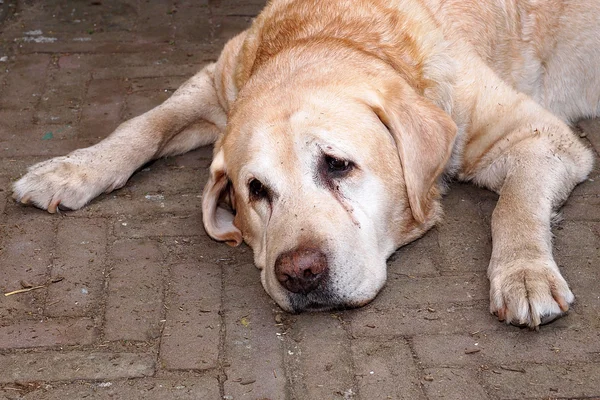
column 163, row 312
column 418, row 365
column 50, row 267
column 222, row 376
column 487, row 388
column 4, row 78
column 349, row 335
column 84, row 94
column 294, row 383
column 38, row 102
column 102, row 300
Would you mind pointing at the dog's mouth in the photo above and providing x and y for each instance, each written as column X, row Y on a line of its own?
column 318, row 300
column 321, row 300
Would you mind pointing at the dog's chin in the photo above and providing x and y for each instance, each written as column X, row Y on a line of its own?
column 320, row 300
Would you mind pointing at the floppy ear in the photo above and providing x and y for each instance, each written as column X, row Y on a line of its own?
column 424, row 136
column 218, row 221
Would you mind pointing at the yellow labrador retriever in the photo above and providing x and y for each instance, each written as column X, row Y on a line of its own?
column 336, row 122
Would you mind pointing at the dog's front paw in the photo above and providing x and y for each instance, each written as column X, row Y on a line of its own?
column 67, row 182
column 529, row 293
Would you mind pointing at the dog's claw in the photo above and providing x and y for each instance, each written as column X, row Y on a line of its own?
column 501, row 313
column 560, row 300
column 52, row 206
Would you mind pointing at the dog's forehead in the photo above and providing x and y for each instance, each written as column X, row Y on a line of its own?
column 300, row 124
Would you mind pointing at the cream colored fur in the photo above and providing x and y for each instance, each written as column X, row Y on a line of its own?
column 408, row 91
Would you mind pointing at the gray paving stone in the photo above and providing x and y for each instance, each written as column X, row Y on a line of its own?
column 28, row 334
column 135, row 292
column 75, row 365
column 181, row 388
column 385, row 368
column 190, row 338
column 318, row 358
column 80, row 265
column 453, row 383
column 562, row 380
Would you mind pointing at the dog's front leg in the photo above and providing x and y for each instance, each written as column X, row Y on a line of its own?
column 534, row 177
column 191, row 117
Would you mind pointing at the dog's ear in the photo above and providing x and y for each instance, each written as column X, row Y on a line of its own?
column 218, row 221
column 424, row 136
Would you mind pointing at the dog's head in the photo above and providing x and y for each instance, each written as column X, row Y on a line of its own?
column 325, row 175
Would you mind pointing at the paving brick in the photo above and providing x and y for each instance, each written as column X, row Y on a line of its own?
column 416, row 259
column 158, row 54
column 232, row 7
column 147, row 71
column 67, row 366
column 319, row 358
column 4, row 193
column 229, row 26
column 441, row 318
column 406, row 291
column 163, row 84
column 572, row 239
column 80, row 261
column 385, row 369
column 156, row 20
column 18, row 137
column 464, row 236
column 193, row 23
column 549, row 381
column 204, row 249
column 123, row 203
column 25, row 82
column 47, row 332
column 140, row 102
column 27, row 252
column 581, row 208
column 452, row 383
column 101, row 112
column 160, row 226
column 134, row 304
column 166, row 177
column 545, row 346
column 190, row 339
column 15, row 124
column 44, row 148
column 184, row 388
column 253, row 339
column 61, row 101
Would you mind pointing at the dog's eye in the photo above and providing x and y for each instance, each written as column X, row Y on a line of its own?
column 258, row 191
column 338, row 165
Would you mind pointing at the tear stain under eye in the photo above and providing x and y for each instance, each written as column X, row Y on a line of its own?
column 335, row 189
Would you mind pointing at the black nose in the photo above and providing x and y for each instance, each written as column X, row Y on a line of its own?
column 301, row 270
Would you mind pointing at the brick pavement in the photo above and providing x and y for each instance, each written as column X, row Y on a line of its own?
column 138, row 303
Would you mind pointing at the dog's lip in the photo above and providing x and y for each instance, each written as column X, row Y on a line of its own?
column 321, row 301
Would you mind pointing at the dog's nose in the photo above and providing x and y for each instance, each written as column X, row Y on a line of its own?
column 301, row 270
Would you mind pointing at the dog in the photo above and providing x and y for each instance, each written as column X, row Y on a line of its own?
column 336, row 124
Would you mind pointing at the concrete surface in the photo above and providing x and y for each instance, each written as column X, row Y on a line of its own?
column 138, row 303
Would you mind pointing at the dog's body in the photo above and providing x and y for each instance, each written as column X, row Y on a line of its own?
column 335, row 121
